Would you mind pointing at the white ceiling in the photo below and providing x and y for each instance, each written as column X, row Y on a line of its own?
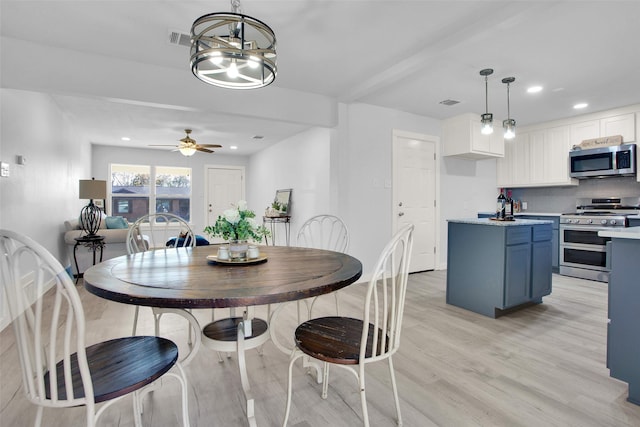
column 111, row 68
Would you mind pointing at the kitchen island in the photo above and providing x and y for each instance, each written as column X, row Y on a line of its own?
column 494, row 267
column 623, row 333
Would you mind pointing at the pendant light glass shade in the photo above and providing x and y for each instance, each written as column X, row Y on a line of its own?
column 487, row 118
column 509, row 124
column 233, row 50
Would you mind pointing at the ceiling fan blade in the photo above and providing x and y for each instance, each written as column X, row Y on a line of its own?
column 210, row 145
column 204, row 150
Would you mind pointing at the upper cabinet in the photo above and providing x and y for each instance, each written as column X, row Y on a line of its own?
column 537, row 158
column 539, row 155
column 621, row 124
column 461, row 137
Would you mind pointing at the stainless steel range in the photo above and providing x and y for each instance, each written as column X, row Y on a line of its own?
column 582, row 252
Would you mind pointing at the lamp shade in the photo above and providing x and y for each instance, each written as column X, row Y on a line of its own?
column 93, row 189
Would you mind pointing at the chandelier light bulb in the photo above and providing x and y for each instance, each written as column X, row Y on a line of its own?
column 232, row 71
column 253, row 62
column 216, row 58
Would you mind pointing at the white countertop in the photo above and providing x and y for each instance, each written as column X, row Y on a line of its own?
column 621, row 233
column 526, row 213
column 487, row 221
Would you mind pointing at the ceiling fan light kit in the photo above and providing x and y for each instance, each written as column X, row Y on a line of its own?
column 233, row 50
column 188, row 146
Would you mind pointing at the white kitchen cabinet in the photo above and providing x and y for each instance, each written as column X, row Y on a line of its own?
column 513, row 168
column 461, row 137
column 621, row 124
column 578, row 132
column 624, row 124
column 536, row 159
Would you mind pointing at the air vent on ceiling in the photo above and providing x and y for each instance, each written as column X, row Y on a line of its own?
column 178, row 38
column 449, row 102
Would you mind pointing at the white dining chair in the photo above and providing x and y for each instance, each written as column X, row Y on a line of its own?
column 353, row 343
column 58, row 369
column 164, row 231
column 324, row 232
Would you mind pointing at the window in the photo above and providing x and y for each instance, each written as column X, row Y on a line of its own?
column 133, row 196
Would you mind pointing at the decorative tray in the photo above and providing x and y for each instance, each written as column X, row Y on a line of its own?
column 502, row 219
column 251, row 261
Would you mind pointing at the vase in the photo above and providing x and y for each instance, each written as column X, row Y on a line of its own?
column 238, row 250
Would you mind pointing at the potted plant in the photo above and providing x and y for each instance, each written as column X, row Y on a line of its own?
column 237, row 226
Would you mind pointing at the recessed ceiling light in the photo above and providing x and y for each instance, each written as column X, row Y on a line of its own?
column 233, row 147
column 580, row 105
column 125, row 138
column 534, row 89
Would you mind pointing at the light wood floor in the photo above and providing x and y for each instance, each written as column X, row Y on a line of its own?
column 542, row 366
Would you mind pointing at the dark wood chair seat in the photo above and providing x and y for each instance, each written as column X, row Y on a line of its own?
column 119, row 366
column 334, row 339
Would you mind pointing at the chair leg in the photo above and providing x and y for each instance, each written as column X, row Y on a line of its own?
column 182, row 379
column 244, row 378
column 395, row 391
column 135, row 320
column 325, row 379
column 363, row 399
column 137, row 409
column 38, row 421
column 295, row 355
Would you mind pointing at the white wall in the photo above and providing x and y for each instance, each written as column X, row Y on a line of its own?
column 37, row 197
column 365, row 164
column 103, row 156
column 302, row 163
column 466, row 188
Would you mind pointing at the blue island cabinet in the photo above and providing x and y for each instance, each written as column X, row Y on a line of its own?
column 493, row 266
column 623, row 331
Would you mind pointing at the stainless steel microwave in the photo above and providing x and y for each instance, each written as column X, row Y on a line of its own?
column 616, row 160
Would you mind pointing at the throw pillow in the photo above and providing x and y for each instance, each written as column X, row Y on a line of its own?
column 116, row 222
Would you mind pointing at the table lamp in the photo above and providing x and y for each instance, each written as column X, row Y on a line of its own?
column 91, row 215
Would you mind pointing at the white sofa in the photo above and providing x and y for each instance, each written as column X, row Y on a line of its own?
column 114, row 244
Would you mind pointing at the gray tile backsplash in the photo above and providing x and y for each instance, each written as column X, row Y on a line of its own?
column 563, row 199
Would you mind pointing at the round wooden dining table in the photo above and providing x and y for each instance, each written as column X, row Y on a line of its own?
column 176, row 280
column 185, row 278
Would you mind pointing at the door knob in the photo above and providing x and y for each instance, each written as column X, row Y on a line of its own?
column 400, row 204
column 400, row 213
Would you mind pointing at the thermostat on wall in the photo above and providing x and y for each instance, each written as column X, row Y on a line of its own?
column 4, row 169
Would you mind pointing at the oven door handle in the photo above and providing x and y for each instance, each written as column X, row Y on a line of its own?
column 608, row 256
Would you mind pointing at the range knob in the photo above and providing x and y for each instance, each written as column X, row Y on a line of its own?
column 603, row 222
column 590, row 221
column 612, row 222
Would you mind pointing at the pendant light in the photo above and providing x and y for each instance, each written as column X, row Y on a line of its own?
column 509, row 125
column 233, row 50
column 487, row 118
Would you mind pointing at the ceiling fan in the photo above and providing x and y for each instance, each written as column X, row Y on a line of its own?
column 188, row 146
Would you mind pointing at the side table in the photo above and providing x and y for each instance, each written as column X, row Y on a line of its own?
column 94, row 243
column 272, row 221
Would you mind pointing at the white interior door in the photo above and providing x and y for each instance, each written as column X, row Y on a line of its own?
column 225, row 187
column 414, row 194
